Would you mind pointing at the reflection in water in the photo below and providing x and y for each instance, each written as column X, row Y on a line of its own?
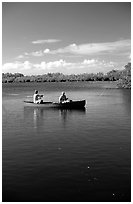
column 65, row 113
column 37, row 116
column 33, row 116
column 126, row 98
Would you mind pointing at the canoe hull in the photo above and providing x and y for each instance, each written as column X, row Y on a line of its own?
column 68, row 105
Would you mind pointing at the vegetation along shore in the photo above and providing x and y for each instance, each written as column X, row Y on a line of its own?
column 121, row 77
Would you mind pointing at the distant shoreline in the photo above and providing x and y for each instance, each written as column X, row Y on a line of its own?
column 121, row 78
column 93, row 84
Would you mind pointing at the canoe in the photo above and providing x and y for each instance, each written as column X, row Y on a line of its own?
column 49, row 104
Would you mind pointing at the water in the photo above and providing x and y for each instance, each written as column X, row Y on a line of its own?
column 68, row 155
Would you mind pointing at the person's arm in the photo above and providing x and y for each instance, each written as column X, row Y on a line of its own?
column 39, row 96
column 66, row 98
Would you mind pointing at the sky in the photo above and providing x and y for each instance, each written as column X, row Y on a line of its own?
column 65, row 37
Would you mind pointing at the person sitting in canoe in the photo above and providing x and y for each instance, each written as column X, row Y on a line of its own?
column 37, row 98
column 63, row 98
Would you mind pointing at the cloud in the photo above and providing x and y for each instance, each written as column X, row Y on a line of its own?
column 46, row 41
column 31, row 68
column 37, row 54
column 46, row 50
column 87, row 65
column 54, row 66
column 129, row 57
column 122, row 47
column 88, row 62
column 20, row 57
column 94, row 48
column 16, row 67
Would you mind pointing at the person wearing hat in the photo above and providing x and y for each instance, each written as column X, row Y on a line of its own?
column 37, row 98
column 63, row 98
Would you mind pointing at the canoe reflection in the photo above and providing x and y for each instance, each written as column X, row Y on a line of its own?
column 37, row 117
column 67, row 113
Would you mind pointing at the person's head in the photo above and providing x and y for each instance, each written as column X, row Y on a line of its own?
column 36, row 92
column 63, row 93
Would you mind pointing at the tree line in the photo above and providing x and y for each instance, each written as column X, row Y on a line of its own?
column 123, row 77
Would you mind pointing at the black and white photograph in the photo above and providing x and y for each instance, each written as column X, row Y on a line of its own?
column 66, row 101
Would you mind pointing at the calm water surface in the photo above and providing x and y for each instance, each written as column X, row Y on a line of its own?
column 68, row 155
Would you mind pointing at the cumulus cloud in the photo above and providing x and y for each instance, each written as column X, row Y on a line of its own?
column 32, row 68
column 88, row 62
column 16, row 66
column 54, row 66
column 46, row 50
column 87, row 65
column 45, row 41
